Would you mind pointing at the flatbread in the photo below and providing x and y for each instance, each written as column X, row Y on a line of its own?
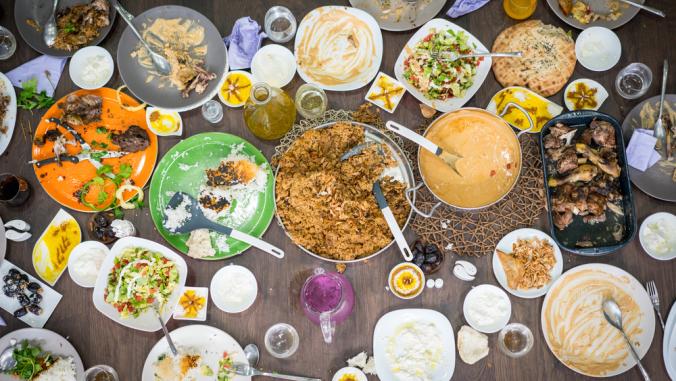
column 472, row 345
column 548, row 57
column 513, row 270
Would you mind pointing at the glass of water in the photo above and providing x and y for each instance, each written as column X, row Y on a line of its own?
column 633, row 81
column 281, row 340
column 212, row 111
column 7, row 43
column 280, row 24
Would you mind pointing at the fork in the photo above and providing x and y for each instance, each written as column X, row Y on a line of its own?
column 655, row 299
column 453, row 56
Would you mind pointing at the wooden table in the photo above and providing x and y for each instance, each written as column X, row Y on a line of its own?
column 99, row 340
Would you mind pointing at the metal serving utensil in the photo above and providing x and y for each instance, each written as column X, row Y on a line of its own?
column 601, row 7
column 161, row 64
column 453, row 56
column 50, row 31
column 7, row 361
column 197, row 220
column 613, row 314
column 654, row 299
column 658, row 127
column 247, row 370
column 156, row 307
column 645, row 8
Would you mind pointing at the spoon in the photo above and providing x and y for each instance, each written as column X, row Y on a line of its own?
column 196, row 220
column 252, row 354
column 7, row 360
column 601, row 7
column 613, row 314
column 448, row 157
column 659, row 126
column 645, row 8
column 156, row 307
column 161, row 64
column 49, row 32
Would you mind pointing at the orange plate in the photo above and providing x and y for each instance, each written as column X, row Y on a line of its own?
column 61, row 182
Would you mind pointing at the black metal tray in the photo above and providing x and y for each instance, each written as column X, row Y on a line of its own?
column 601, row 234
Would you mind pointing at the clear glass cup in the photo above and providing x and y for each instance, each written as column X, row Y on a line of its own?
column 7, row 43
column 101, row 372
column 311, row 101
column 515, row 340
column 281, row 340
column 633, row 81
column 280, row 24
column 212, row 111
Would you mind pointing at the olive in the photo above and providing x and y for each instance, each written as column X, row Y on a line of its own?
column 35, row 298
column 418, row 247
column 34, row 287
column 431, row 258
column 20, row 312
column 13, row 272
column 8, row 290
column 431, row 248
column 23, row 300
column 7, row 278
column 427, row 268
column 24, row 278
column 419, row 259
column 101, row 220
column 35, row 309
column 16, row 277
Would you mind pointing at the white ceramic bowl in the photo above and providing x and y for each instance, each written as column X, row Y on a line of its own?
column 175, row 114
column 642, row 231
column 225, row 77
column 268, row 60
column 501, row 321
column 359, row 375
column 84, row 248
column 78, row 62
column 397, row 267
column 601, row 92
column 225, row 275
column 598, row 48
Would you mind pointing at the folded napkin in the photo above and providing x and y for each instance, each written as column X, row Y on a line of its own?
column 641, row 152
column 463, row 7
column 243, row 42
column 37, row 68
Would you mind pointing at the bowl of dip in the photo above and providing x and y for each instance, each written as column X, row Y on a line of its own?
column 274, row 65
column 85, row 262
column 233, row 289
column 406, row 280
column 91, row 67
column 598, row 48
column 164, row 122
column 657, row 235
column 487, row 308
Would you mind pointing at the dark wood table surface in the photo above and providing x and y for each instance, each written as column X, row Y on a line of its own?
column 646, row 39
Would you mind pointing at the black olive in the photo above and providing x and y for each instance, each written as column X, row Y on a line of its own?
column 24, row 278
column 7, row 278
column 8, row 291
column 35, row 309
column 20, row 312
column 427, row 268
column 34, row 287
column 16, row 277
column 431, row 258
column 431, row 248
column 13, row 272
column 23, row 300
column 35, row 298
column 101, row 220
column 419, row 259
column 418, row 246
column 22, row 285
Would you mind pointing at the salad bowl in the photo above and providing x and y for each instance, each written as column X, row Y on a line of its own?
column 147, row 320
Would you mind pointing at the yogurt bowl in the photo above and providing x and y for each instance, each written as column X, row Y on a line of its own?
column 85, row 262
column 487, row 308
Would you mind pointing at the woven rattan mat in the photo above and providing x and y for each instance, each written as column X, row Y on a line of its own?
column 465, row 233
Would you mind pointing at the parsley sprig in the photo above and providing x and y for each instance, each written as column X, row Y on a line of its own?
column 29, row 98
column 30, row 361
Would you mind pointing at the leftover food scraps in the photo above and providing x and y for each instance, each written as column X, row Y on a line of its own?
column 79, row 25
column 529, row 264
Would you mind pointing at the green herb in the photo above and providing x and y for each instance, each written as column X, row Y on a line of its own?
column 118, row 213
column 124, row 170
column 69, row 28
column 102, row 196
column 29, row 98
column 104, row 169
column 101, row 130
column 98, row 156
column 95, row 143
column 30, row 361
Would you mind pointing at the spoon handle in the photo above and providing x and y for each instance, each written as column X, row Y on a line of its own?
column 392, row 222
column 286, row 377
column 645, row 8
column 412, row 136
column 258, row 243
column 128, row 18
column 166, row 334
column 644, row 373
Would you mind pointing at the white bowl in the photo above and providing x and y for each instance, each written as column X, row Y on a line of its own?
column 349, row 370
column 80, row 250
column 422, row 280
column 220, row 86
column 642, row 231
column 601, row 92
column 226, row 274
column 177, row 116
column 268, row 60
column 78, row 62
column 598, row 48
column 502, row 321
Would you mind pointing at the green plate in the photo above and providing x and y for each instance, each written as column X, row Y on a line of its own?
column 182, row 169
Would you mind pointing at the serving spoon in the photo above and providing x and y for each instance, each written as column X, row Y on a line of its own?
column 613, row 314
column 161, row 64
column 601, row 7
column 197, row 220
column 50, row 31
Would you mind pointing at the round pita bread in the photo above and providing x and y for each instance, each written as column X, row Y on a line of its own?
column 548, row 57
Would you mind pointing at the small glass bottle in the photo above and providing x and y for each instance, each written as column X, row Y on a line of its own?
column 269, row 112
column 280, row 24
column 311, row 101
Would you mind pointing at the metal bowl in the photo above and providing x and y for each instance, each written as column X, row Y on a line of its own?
column 372, row 134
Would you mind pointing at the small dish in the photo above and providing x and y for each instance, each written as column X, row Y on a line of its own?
column 91, row 249
column 230, row 281
column 476, row 295
column 164, row 122
column 196, row 298
column 236, row 84
column 398, row 275
column 88, row 74
column 584, row 94
column 538, row 107
column 666, row 221
column 386, row 92
column 274, row 65
column 598, row 48
column 349, row 373
column 52, row 249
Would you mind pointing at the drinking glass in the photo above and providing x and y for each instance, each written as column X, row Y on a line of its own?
column 101, row 372
column 521, row 337
column 281, row 340
column 519, row 9
column 212, row 111
column 14, row 190
column 633, row 81
column 280, row 24
column 311, row 101
column 7, row 43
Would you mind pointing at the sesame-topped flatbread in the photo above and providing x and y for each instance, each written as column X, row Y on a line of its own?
column 548, row 57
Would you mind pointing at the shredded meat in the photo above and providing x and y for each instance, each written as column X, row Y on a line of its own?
column 603, row 133
column 79, row 25
column 80, row 110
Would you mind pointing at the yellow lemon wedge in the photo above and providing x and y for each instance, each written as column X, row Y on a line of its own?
column 235, row 89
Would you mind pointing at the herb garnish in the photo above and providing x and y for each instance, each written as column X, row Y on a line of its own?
column 29, row 98
column 30, row 361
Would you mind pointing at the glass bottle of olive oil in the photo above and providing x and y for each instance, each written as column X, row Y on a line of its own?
column 269, row 112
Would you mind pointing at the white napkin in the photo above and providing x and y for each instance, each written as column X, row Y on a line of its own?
column 641, row 152
column 36, row 68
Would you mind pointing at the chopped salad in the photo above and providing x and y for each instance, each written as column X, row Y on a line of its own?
column 140, row 277
column 439, row 78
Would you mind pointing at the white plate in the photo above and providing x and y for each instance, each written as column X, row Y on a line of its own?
column 505, row 245
column 211, row 341
column 146, row 321
column 50, row 298
column 641, row 232
column 453, row 103
column 597, row 37
column 368, row 73
column 82, row 249
column 179, row 312
column 498, row 325
column 600, row 97
column 50, row 342
column 629, row 285
column 226, row 272
column 42, row 254
column 78, row 61
column 669, row 343
column 388, row 324
column 6, row 88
